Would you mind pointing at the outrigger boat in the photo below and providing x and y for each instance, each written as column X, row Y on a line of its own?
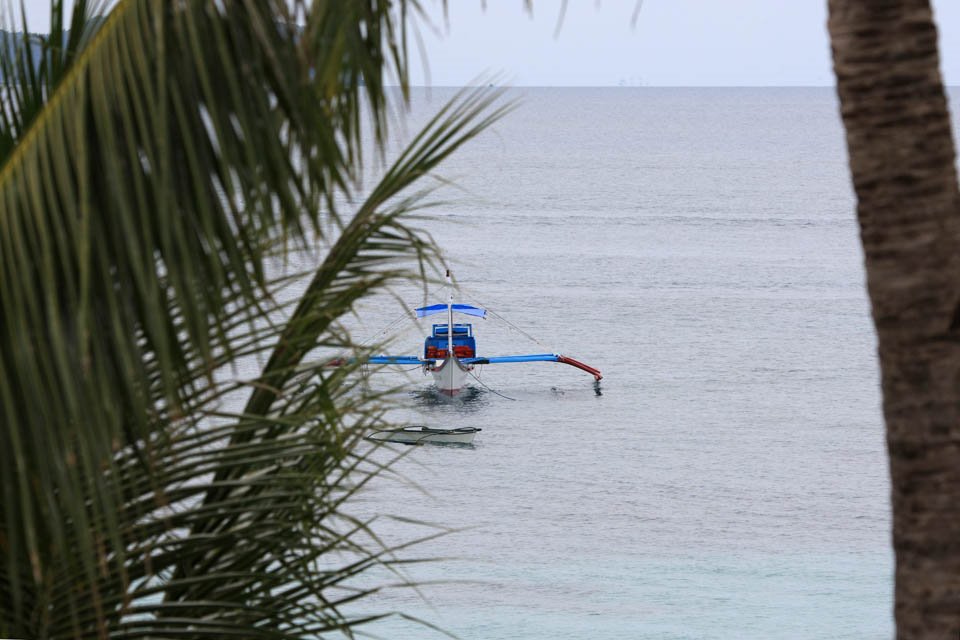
column 450, row 351
column 419, row 434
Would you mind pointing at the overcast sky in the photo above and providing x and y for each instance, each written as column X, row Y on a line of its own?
column 674, row 43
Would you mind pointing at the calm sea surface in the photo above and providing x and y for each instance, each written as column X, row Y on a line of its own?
column 699, row 246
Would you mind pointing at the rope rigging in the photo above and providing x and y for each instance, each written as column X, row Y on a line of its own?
column 502, row 319
column 491, row 390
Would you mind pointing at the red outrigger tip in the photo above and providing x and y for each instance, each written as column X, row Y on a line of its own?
column 579, row 365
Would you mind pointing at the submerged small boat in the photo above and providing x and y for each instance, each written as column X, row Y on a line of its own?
column 419, row 434
column 450, row 351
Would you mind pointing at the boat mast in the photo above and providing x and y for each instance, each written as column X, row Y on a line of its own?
column 449, row 316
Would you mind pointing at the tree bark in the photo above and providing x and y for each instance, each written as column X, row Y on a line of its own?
column 901, row 154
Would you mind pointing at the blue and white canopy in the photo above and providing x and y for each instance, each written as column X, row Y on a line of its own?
column 465, row 309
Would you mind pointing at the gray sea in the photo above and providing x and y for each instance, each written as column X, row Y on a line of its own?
column 699, row 246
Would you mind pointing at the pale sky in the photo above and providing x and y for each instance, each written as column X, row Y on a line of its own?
column 674, row 43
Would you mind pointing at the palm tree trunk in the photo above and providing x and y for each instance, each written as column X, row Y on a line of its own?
column 902, row 162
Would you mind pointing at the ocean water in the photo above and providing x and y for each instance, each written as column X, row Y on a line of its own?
column 699, row 246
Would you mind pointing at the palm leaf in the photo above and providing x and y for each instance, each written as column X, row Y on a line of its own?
column 153, row 171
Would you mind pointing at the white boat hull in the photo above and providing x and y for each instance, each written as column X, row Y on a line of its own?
column 426, row 435
column 450, row 376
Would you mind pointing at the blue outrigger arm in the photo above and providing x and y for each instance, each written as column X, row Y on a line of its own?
column 405, row 360
column 533, row 357
column 537, row 357
column 396, row 360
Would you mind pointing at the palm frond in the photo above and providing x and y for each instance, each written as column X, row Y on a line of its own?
column 32, row 65
column 152, row 172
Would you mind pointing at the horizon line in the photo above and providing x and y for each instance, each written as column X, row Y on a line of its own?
column 949, row 87
column 625, row 86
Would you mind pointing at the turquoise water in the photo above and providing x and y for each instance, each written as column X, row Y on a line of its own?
column 699, row 246
column 701, row 596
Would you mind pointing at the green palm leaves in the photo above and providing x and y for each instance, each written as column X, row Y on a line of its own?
column 152, row 164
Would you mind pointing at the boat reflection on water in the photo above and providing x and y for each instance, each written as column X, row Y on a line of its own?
column 469, row 399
